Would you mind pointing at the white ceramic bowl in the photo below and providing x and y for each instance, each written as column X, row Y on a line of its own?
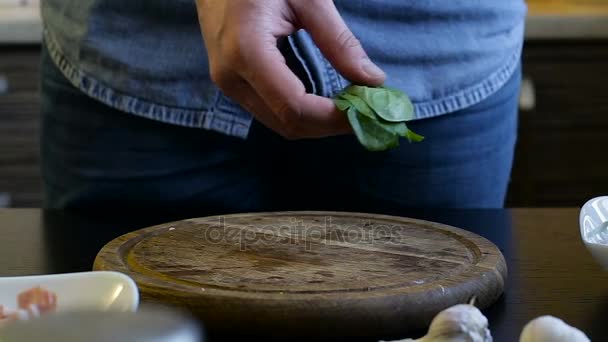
column 149, row 324
column 594, row 228
column 90, row 291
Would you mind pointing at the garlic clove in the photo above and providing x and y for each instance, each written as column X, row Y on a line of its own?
column 461, row 322
column 551, row 329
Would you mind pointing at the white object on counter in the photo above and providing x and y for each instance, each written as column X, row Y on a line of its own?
column 551, row 329
column 593, row 222
column 91, row 291
column 20, row 24
column 19, row 3
column 463, row 322
column 150, row 324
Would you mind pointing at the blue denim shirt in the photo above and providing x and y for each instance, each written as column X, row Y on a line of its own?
column 147, row 57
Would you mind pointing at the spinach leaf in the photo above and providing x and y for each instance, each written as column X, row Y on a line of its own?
column 359, row 104
column 342, row 104
column 378, row 116
column 400, row 105
column 370, row 133
column 399, row 128
column 413, row 137
column 390, row 104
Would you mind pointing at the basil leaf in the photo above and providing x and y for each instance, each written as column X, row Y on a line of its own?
column 342, row 104
column 389, row 104
column 359, row 104
column 371, row 133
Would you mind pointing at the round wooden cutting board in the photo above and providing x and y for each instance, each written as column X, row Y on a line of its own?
column 309, row 273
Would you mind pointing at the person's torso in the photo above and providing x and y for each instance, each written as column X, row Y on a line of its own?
column 444, row 54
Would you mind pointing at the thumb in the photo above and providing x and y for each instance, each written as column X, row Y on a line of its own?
column 339, row 45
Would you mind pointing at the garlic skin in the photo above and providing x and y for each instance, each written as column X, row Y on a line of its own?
column 459, row 323
column 551, row 329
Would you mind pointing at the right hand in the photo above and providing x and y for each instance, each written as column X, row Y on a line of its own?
column 241, row 40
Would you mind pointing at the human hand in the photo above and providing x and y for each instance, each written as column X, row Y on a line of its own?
column 241, row 39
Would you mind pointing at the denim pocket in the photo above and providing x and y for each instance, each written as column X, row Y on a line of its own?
column 297, row 61
column 324, row 79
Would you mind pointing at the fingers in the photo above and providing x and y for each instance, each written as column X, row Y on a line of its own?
column 245, row 63
column 241, row 92
column 300, row 114
column 331, row 34
column 293, row 128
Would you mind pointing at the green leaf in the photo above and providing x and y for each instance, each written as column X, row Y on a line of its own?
column 400, row 105
column 361, row 92
column 399, row 128
column 413, row 137
column 359, row 104
column 378, row 115
column 371, row 133
column 389, row 104
column 342, row 104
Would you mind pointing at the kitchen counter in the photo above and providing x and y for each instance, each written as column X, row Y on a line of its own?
column 547, row 19
column 20, row 25
column 550, row 271
column 567, row 19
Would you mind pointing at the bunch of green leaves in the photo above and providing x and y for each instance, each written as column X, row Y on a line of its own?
column 378, row 115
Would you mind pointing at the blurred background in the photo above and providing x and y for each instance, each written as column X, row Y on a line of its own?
column 562, row 154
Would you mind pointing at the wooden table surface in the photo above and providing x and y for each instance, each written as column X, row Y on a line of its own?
column 550, row 271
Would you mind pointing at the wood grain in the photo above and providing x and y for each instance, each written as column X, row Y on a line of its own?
column 325, row 273
column 550, row 271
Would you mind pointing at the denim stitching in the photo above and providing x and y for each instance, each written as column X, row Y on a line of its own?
column 333, row 77
column 233, row 125
column 330, row 81
column 472, row 95
column 232, row 120
column 296, row 51
column 451, row 103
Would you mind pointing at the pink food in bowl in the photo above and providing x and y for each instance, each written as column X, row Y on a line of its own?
column 31, row 303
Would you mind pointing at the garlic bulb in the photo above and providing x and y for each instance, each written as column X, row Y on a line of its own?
column 551, row 329
column 460, row 323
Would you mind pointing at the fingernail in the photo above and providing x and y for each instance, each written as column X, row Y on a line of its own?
column 371, row 69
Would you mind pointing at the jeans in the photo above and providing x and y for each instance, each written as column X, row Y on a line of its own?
column 146, row 57
column 94, row 156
